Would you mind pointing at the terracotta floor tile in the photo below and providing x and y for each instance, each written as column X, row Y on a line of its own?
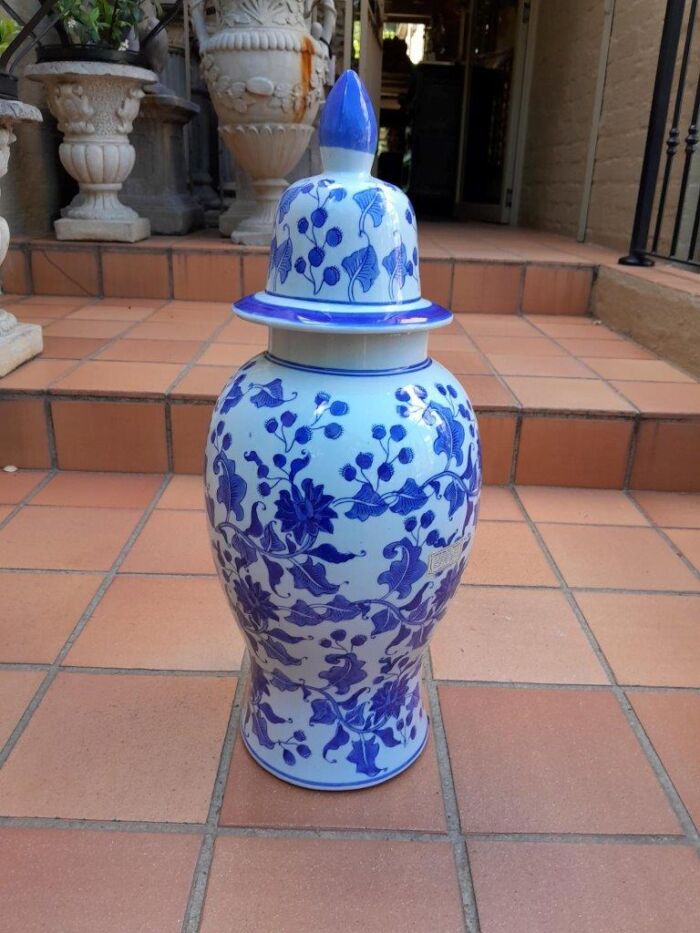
column 177, row 330
column 159, row 622
column 687, row 540
column 151, row 351
column 498, row 504
column 65, row 538
column 99, row 490
column 110, row 310
column 24, row 438
column 206, row 275
column 621, row 558
column 580, row 506
column 71, row 348
column 589, row 395
column 597, row 347
column 321, row 883
column 522, row 365
column 183, row 492
column 73, row 328
column 662, row 398
column 36, row 374
column 575, row 328
column 120, row 747
column 666, row 456
column 459, row 361
column 641, row 370
column 135, row 273
column 16, row 690
column 15, row 486
column 229, row 354
column 651, row 640
column 487, row 392
column 507, row 553
column 512, row 635
column 672, row 722
column 60, row 271
column 95, row 882
column 111, row 378
column 5, row 510
column 202, row 382
column 171, row 542
column 62, row 303
column 39, row 611
column 487, row 288
column 557, row 289
column 518, row 346
column 411, row 801
column 560, row 761
column 218, row 311
column 496, row 325
column 240, row 331
column 497, row 439
column 547, row 887
column 190, row 424
column 670, row 509
column 442, row 341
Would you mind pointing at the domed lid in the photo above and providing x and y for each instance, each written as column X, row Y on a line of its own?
column 344, row 253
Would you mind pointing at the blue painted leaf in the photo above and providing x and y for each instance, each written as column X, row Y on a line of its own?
column 409, row 498
column 312, row 577
column 340, row 609
column 372, row 203
column 289, row 759
column 283, row 259
column 275, row 572
column 304, row 751
column 287, row 200
column 339, row 739
column 396, row 264
column 300, row 736
column 285, row 636
column 450, row 432
column 364, row 757
column 385, row 620
column 387, row 737
column 400, row 637
column 244, row 548
column 276, row 650
column 303, row 614
column 298, row 465
column 232, row 487
column 323, row 712
column 270, row 540
column 330, row 554
column 280, row 681
column 270, row 714
column 351, row 701
column 269, row 395
column 255, row 528
column 346, row 670
column 405, row 570
column 361, row 266
column 455, row 495
column 260, row 729
column 367, row 503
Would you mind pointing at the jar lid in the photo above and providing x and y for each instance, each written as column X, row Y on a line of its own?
column 344, row 252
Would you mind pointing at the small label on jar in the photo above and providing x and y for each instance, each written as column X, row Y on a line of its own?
column 445, row 557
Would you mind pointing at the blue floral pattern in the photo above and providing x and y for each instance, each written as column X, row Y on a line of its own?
column 315, row 250
column 357, row 606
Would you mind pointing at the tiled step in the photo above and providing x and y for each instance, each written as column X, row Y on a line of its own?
column 129, row 385
column 476, row 268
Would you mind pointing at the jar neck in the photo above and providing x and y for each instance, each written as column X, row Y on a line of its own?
column 357, row 352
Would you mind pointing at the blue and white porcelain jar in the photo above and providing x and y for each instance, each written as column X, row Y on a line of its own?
column 343, row 472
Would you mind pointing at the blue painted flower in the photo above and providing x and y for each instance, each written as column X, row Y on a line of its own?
column 331, row 275
column 316, row 256
column 305, row 511
column 254, row 604
column 334, row 236
column 388, row 701
column 319, row 217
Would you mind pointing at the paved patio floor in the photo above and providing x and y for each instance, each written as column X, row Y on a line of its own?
column 560, row 792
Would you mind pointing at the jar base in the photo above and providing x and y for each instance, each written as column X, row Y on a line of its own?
column 289, row 778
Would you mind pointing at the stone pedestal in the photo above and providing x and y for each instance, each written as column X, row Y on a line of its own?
column 157, row 187
column 18, row 342
column 241, row 206
column 96, row 105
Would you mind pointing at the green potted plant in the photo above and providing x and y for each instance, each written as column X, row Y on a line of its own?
column 94, row 84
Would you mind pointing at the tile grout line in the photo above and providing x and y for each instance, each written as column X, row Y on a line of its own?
column 672, row 796
column 200, row 876
column 26, row 499
column 54, row 669
column 662, row 534
column 449, row 799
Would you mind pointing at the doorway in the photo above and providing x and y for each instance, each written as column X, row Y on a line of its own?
column 448, row 79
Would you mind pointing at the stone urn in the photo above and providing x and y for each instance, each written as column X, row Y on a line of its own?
column 95, row 104
column 265, row 64
column 342, row 476
column 18, row 342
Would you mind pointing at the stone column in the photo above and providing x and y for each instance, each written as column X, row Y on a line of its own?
column 18, row 342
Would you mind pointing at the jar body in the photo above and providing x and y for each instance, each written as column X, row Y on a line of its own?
column 342, row 506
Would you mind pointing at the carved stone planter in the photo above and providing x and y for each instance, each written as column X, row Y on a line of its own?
column 95, row 105
column 18, row 342
column 265, row 65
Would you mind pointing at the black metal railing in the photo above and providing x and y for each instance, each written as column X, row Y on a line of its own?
column 671, row 198
column 44, row 22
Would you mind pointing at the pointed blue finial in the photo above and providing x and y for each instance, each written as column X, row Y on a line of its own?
column 348, row 120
